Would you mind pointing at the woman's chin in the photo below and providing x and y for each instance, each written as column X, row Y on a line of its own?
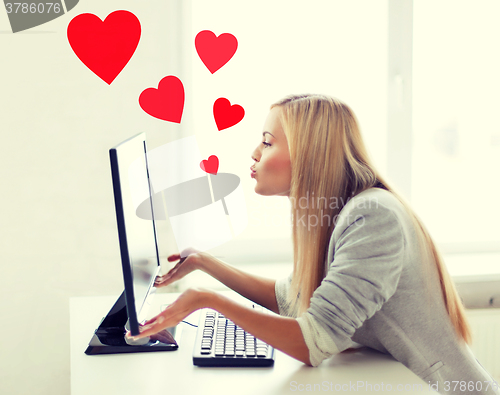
column 259, row 190
column 263, row 191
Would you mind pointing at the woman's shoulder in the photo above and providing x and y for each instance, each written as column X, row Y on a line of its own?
column 373, row 220
column 374, row 197
column 374, row 214
column 373, row 202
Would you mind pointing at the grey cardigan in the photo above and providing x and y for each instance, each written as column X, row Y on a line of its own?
column 380, row 291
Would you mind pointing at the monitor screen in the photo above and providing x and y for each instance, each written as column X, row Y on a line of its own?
column 137, row 237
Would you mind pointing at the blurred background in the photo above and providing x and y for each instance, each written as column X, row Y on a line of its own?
column 421, row 76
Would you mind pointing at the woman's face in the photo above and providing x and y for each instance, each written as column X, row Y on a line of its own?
column 272, row 168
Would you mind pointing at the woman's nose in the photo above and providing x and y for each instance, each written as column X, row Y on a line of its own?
column 256, row 154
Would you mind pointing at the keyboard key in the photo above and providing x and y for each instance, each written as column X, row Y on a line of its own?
column 222, row 343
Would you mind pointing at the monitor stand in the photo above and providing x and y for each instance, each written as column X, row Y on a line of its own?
column 109, row 337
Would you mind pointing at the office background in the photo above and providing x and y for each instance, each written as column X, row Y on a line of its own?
column 426, row 104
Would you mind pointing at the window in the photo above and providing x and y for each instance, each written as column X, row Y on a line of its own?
column 456, row 133
column 284, row 47
column 420, row 75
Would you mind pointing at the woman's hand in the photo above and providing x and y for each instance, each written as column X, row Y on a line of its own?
column 188, row 302
column 258, row 289
column 186, row 265
column 283, row 333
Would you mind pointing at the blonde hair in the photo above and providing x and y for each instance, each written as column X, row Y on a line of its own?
column 329, row 159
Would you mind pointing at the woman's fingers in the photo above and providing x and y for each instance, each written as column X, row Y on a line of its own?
column 167, row 276
column 188, row 251
column 155, row 325
column 184, row 305
column 157, row 319
column 149, row 322
column 163, row 278
column 144, row 330
column 170, row 276
column 174, row 257
column 164, row 336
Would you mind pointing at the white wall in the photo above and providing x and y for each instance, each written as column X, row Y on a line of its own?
column 58, row 231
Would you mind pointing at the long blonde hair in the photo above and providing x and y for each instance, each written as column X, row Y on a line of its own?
column 329, row 159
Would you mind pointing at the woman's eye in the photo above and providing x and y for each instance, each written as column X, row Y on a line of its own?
column 266, row 144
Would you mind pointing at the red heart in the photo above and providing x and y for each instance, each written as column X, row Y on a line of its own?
column 105, row 47
column 215, row 51
column 211, row 165
column 166, row 102
column 227, row 115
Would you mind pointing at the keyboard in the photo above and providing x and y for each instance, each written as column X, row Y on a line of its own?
column 221, row 343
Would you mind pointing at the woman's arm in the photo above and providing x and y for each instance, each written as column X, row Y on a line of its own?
column 283, row 333
column 258, row 289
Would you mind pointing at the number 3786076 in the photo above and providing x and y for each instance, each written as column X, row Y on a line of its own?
column 33, row 8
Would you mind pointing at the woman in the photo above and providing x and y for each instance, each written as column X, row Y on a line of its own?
column 365, row 268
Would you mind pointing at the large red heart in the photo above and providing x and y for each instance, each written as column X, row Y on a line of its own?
column 227, row 115
column 105, row 47
column 215, row 51
column 166, row 102
column 211, row 165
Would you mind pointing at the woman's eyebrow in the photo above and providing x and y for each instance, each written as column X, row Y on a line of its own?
column 264, row 133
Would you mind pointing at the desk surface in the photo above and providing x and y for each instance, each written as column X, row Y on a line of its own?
column 174, row 373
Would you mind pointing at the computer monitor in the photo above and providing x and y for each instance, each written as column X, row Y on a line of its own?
column 139, row 255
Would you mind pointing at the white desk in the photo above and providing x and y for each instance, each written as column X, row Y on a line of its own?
column 173, row 372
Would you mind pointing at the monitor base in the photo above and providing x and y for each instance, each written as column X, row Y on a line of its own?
column 109, row 337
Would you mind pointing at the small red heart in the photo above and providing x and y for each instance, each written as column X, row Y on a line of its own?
column 215, row 51
column 105, row 47
column 211, row 165
column 227, row 115
column 166, row 102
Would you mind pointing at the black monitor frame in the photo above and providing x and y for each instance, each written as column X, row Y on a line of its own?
column 123, row 235
column 109, row 337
